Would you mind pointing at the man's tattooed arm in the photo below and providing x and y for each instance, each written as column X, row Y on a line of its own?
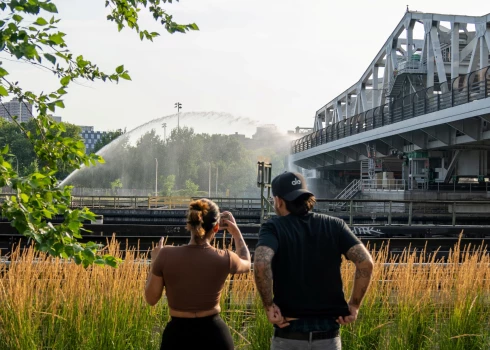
column 263, row 273
column 360, row 256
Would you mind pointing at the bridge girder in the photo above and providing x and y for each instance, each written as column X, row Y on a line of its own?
column 360, row 149
column 382, row 148
column 338, row 157
column 396, row 142
column 417, row 138
column 371, row 89
column 349, row 153
column 470, row 127
column 442, row 133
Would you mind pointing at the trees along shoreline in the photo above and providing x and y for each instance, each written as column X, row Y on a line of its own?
column 184, row 164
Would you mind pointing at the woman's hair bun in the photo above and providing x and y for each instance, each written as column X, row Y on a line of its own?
column 199, row 205
column 203, row 215
column 195, row 222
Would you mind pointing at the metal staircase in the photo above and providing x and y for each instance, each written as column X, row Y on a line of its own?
column 397, row 85
column 367, row 169
column 348, row 193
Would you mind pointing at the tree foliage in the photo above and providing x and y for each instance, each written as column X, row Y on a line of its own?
column 28, row 33
column 186, row 158
column 168, row 185
column 21, row 149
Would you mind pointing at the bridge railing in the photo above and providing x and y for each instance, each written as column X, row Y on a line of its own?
column 375, row 185
column 154, row 202
column 168, row 202
column 407, row 212
column 354, row 211
column 237, row 203
column 464, row 89
column 110, row 201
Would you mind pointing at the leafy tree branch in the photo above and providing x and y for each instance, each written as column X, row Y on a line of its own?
column 28, row 33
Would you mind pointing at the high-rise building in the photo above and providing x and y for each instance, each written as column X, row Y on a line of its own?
column 22, row 110
column 86, row 128
column 90, row 137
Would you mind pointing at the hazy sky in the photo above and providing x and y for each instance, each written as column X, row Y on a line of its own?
column 275, row 61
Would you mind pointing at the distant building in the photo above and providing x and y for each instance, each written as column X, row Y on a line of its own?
column 266, row 136
column 90, row 137
column 22, row 110
column 86, row 128
column 269, row 136
column 299, row 132
column 239, row 137
column 56, row 118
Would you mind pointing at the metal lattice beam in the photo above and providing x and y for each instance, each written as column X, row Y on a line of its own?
column 434, row 61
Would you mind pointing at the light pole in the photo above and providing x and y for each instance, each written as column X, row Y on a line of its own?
column 156, row 177
column 164, row 125
column 209, row 185
column 178, row 105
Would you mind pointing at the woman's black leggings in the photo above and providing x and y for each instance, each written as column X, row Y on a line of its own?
column 209, row 332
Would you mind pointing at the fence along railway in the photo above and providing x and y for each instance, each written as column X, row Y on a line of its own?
column 433, row 225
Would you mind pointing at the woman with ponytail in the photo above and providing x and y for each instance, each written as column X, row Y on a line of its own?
column 193, row 276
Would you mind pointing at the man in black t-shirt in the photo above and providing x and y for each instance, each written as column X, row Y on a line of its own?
column 297, row 270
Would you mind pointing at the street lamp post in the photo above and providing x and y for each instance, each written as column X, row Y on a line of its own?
column 156, row 177
column 178, row 105
column 209, row 184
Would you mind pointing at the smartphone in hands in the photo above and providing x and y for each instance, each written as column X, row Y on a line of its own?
column 222, row 224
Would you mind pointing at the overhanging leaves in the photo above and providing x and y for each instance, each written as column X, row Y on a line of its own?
column 37, row 198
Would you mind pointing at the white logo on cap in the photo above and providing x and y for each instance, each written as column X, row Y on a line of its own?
column 296, row 182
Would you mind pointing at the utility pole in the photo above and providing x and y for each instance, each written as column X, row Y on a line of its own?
column 216, row 181
column 156, row 177
column 209, row 184
column 178, row 105
column 164, row 125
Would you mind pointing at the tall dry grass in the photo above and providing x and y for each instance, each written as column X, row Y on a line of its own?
column 419, row 303
column 423, row 303
column 52, row 304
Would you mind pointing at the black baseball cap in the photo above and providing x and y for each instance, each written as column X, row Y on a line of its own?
column 289, row 186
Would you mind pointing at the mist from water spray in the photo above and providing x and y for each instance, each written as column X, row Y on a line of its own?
column 201, row 122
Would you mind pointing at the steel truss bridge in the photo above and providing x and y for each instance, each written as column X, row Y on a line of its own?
column 427, row 95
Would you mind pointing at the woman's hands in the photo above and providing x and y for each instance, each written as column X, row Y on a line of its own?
column 231, row 225
column 241, row 247
column 156, row 249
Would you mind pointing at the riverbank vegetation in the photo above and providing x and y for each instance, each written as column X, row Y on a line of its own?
column 419, row 303
column 187, row 163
